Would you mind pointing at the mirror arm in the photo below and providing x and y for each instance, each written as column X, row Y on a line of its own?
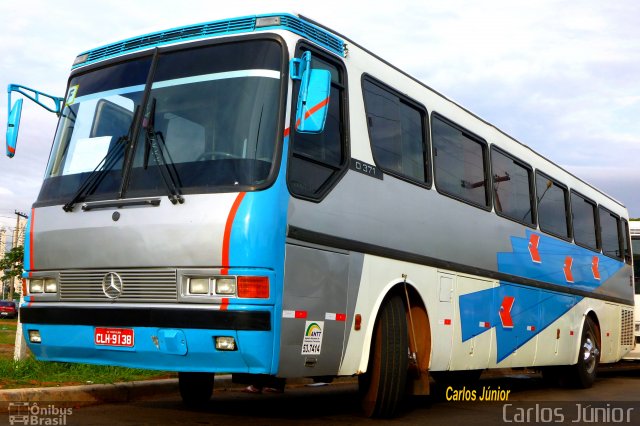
column 35, row 95
column 299, row 66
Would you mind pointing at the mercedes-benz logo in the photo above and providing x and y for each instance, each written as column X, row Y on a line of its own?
column 112, row 285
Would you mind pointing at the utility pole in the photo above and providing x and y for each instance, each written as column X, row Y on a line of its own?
column 17, row 237
column 20, row 351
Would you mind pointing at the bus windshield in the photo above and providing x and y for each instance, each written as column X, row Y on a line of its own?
column 214, row 124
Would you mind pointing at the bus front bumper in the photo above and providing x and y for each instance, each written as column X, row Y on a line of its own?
column 158, row 338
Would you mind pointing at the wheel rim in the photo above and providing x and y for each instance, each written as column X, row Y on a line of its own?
column 589, row 352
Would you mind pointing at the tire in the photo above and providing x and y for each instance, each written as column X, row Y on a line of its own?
column 382, row 387
column 583, row 374
column 195, row 388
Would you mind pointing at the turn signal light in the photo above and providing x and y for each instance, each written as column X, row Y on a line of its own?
column 253, row 287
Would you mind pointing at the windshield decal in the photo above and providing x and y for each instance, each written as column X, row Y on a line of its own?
column 108, row 93
column 71, row 96
column 87, row 154
column 217, row 76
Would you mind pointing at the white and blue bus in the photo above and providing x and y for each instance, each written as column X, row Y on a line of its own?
column 263, row 196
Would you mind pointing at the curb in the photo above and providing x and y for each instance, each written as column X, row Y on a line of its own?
column 83, row 395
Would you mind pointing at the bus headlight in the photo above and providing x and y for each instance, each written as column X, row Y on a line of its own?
column 226, row 285
column 199, row 285
column 50, row 285
column 36, row 286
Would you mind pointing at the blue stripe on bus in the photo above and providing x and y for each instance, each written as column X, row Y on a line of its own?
column 258, row 238
column 553, row 254
column 27, row 247
column 533, row 309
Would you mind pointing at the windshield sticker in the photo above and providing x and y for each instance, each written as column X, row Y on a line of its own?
column 71, row 96
column 312, row 340
column 86, row 154
column 109, row 93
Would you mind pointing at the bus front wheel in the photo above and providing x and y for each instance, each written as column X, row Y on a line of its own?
column 195, row 388
column 382, row 387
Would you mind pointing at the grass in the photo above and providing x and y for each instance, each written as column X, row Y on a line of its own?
column 33, row 373
column 7, row 332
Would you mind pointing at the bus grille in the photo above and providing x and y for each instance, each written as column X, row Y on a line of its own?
column 138, row 285
column 626, row 329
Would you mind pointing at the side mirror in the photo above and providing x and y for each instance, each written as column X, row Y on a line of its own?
column 313, row 101
column 13, row 125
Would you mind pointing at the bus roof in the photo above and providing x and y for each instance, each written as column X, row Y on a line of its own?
column 246, row 24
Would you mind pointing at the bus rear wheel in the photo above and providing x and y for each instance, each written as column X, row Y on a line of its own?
column 583, row 374
column 195, row 388
column 382, row 387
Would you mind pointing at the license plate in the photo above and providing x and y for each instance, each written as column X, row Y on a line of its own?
column 122, row 337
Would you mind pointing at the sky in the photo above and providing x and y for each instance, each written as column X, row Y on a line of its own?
column 562, row 77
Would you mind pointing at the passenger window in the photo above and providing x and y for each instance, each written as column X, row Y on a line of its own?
column 512, row 187
column 396, row 131
column 609, row 233
column 460, row 163
column 583, row 213
column 318, row 159
column 552, row 206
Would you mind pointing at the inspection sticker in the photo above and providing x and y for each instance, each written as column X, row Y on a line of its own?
column 312, row 340
column 71, row 96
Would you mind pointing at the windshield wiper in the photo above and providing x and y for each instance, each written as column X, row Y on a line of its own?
column 169, row 174
column 98, row 174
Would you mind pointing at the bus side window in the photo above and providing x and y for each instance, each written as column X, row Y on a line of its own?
column 317, row 159
column 396, row 131
column 460, row 163
column 610, row 233
column 512, row 187
column 553, row 203
column 583, row 213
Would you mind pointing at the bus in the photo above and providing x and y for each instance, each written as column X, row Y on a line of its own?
column 264, row 197
column 634, row 228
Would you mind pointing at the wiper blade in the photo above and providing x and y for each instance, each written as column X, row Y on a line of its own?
column 152, row 146
column 94, row 178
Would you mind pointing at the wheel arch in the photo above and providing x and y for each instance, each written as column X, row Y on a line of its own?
column 593, row 316
column 416, row 301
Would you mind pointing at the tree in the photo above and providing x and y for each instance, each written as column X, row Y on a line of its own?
column 12, row 266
